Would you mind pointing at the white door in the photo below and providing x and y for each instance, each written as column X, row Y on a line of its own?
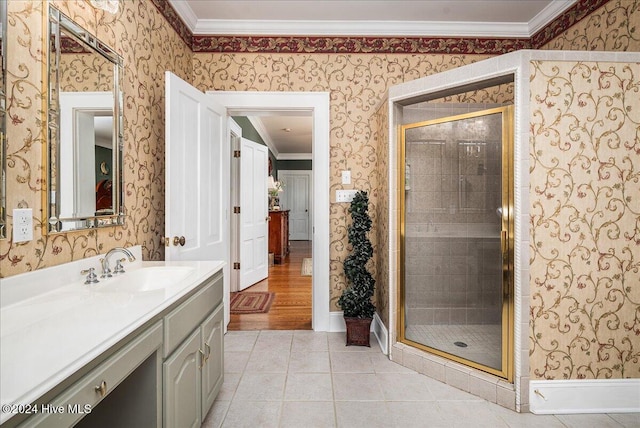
column 254, row 265
column 196, row 176
column 297, row 199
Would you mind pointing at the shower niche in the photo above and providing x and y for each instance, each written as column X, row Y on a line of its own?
column 456, row 239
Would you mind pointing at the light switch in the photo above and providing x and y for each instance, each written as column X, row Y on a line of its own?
column 346, row 177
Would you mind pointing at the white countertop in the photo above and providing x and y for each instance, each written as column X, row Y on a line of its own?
column 47, row 337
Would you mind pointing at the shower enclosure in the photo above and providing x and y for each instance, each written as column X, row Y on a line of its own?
column 456, row 294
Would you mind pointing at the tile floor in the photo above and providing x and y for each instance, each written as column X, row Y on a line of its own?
column 307, row 379
column 484, row 341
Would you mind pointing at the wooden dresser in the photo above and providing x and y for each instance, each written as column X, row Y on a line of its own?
column 279, row 235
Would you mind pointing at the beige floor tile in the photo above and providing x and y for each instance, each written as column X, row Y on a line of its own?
column 268, row 362
column 405, row 387
column 240, row 341
column 273, row 342
column 525, row 420
column 260, row 387
column 235, row 362
column 308, row 414
column 309, row 362
column 444, row 392
column 382, row 364
column 363, row 414
column 627, row 420
column 310, row 342
column 417, row 414
column 588, row 421
column 252, row 414
column 229, row 386
column 308, row 387
column 351, row 362
column 356, row 386
column 471, row 414
column 216, row 415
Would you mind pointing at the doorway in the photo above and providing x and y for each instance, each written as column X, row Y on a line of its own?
column 316, row 104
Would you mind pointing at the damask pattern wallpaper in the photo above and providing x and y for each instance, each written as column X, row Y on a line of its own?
column 356, row 83
column 149, row 46
column 585, row 220
column 581, row 326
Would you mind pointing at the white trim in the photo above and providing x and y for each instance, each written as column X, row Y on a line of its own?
column 378, row 329
column 317, row 104
column 381, row 333
column 186, row 13
column 584, row 396
column 295, row 156
column 548, row 14
column 336, row 322
column 360, row 28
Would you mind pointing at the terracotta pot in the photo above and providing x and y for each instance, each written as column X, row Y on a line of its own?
column 358, row 331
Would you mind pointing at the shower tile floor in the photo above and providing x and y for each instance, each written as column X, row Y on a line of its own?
column 483, row 341
column 277, row 379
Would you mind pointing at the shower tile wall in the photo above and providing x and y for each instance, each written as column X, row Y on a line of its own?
column 452, row 280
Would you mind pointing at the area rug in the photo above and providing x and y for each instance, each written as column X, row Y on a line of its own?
column 251, row 302
column 307, row 267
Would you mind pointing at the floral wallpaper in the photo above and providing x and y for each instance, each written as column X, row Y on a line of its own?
column 357, row 83
column 382, row 194
column 585, row 220
column 612, row 27
column 582, row 324
column 149, row 46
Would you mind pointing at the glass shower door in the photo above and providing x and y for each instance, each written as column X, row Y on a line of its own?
column 456, row 231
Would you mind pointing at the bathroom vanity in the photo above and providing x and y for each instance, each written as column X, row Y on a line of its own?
column 144, row 348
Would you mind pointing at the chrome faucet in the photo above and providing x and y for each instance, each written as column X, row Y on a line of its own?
column 106, row 270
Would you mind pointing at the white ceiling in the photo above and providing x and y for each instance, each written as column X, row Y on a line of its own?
column 426, row 18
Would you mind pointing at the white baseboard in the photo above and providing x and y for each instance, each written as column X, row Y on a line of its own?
column 382, row 334
column 336, row 324
column 584, row 396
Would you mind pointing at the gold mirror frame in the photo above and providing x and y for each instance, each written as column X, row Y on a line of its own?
column 3, row 135
column 86, row 43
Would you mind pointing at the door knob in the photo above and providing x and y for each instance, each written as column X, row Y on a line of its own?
column 179, row 240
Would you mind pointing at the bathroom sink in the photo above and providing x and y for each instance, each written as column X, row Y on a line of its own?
column 146, row 279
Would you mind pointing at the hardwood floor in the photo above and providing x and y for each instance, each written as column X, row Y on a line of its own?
column 291, row 308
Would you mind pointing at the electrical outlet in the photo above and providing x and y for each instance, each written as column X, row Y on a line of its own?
column 346, row 177
column 345, row 195
column 22, row 224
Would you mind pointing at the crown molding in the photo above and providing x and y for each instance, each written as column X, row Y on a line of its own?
column 548, row 15
column 186, row 13
column 294, row 156
column 213, row 27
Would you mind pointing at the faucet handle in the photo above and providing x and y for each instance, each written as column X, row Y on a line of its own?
column 119, row 268
column 106, row 271
column 92, row 278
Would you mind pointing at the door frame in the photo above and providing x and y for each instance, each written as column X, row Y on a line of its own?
column 316, row 104
column 308, row 173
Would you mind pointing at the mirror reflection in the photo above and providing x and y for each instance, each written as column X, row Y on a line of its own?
column 85, row 129
column 3, row 39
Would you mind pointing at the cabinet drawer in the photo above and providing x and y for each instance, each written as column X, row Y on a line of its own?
column 113, row 371
column 181, row 322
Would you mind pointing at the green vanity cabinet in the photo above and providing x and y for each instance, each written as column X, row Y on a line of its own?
column 193, row 371
column 166, row 373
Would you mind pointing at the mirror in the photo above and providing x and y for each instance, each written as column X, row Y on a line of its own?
column 3, row 49
column 84, row 186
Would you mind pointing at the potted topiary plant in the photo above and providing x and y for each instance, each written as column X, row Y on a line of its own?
column 356, row 298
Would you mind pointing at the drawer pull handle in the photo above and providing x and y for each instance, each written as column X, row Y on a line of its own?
column 102, row 388
column 203, row 359
column 208, row 350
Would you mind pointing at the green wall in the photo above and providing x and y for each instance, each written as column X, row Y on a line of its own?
column 295, row 165
column 250, row 133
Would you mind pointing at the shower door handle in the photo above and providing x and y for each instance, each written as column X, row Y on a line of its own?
column 504, row 246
